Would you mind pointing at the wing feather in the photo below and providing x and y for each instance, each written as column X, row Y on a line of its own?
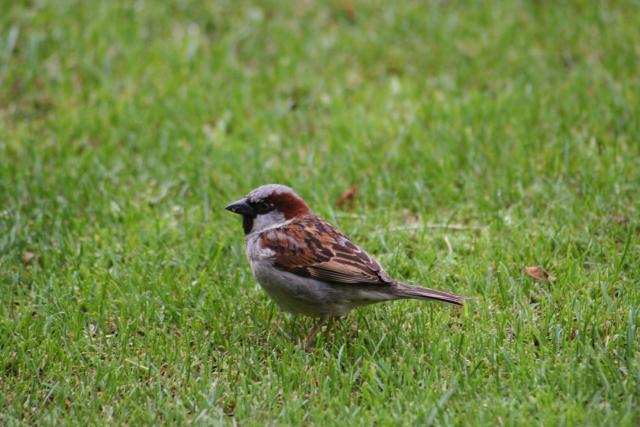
column 311, row 247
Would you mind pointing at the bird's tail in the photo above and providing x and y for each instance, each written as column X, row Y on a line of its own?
column 415, row 292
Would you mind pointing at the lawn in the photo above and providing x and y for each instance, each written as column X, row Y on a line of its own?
column 483, row 139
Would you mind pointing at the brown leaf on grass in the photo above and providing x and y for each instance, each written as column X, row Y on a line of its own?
column 28, row 257
column 347, row 196
column 349, row 9
column 620, row 218
column 538, row 273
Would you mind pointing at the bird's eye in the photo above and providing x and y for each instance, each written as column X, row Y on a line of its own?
column 262, row 207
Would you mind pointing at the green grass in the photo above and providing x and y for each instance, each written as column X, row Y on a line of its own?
column 126, row 126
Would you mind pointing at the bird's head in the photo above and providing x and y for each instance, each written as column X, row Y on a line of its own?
column 268, row 206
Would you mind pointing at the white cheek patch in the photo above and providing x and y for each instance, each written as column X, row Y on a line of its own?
column 268, row 220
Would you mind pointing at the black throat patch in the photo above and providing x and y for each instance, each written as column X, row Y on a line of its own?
column 247, row 223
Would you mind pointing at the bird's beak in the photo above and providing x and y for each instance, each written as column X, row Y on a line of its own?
column 241, row 207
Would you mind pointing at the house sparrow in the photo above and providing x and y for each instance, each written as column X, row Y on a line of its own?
column 309, row 267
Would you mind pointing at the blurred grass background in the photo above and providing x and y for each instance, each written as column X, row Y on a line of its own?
column 126, row 126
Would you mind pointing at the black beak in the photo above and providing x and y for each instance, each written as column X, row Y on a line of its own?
column 241, row 207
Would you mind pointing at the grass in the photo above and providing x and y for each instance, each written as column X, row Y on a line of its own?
column 125, row 127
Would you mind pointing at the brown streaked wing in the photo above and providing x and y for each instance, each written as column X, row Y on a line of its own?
column 311, row 247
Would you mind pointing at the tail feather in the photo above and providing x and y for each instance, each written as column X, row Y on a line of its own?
column 415, row 292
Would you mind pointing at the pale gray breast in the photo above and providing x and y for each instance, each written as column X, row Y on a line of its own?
column 298, row 294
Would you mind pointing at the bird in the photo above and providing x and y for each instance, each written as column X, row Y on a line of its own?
column 307, row 266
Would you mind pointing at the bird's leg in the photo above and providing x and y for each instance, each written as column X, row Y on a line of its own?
column 313, row 332
column 289, row 325
column 331, row 322
column 340, row 322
